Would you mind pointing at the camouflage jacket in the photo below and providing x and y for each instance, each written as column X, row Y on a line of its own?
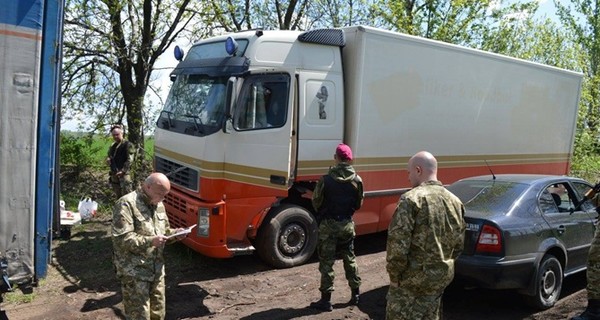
column 425, row 236
column 135, row 223
column 342, row 172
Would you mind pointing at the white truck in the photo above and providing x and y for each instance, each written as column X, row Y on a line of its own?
column 253, row 118
column 30, row 62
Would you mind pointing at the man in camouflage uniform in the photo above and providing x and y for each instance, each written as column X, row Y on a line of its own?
column 592, row 312
column 120, row 157
column 425, row 236
column 139, row 230
column 335, row 198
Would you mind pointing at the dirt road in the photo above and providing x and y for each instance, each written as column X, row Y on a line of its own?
column 81, row 285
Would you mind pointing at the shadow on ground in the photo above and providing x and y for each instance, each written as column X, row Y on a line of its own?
column 372, row 303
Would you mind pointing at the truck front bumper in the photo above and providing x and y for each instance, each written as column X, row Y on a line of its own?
column 210, row 236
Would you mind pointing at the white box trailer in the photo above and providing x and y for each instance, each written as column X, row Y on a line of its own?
column 466, row 106
column 243, row 172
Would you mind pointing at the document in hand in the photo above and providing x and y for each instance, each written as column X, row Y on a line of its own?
column 182, row 232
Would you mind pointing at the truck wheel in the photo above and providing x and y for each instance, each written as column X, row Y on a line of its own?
column 548, row 284
column 287, row 237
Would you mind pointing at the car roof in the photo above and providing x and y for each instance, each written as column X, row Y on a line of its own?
column 523, row 178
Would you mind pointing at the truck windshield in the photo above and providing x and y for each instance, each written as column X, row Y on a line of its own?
column 195, row 105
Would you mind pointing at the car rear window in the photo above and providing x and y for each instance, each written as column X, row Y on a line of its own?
column 487, row 196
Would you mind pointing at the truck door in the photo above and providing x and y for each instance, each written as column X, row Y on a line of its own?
column 321, row 120
column 259, row 152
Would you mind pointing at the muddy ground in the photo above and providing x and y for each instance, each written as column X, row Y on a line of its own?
column 81, row 285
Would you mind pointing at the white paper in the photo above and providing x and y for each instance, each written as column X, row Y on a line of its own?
column 182, row 232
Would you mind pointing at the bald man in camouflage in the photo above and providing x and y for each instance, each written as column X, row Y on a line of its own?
column 139, row 229
column 425, row 236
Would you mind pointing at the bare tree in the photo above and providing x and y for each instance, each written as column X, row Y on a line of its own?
column 236, row 15
column 110, row 49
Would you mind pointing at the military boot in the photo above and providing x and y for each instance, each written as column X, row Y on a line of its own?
column 354, row 297
column 324, row 304
column 592, row 312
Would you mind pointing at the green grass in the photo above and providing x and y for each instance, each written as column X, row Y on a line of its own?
column 101, row 144
column 18, row 297
column 98, row 148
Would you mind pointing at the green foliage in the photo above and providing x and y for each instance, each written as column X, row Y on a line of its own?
column 80, row 155
column 79, row 152
column 586, row 158
column 538, row 41
column 84, row 172
column 459, row 22
column 581, row 18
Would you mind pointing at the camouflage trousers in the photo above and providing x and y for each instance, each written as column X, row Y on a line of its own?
column 337, row 238
column 405, row 305
column 593, row 268
column 144, row 299
column 121, row 185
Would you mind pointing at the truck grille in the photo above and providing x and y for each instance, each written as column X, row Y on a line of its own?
column 175, row 202
column 180, row 175
column 175, row 220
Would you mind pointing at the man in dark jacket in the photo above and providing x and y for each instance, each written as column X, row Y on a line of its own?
column 120, row 157
column 335, row 198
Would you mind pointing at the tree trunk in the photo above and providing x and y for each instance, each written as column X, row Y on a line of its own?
column 135, row 120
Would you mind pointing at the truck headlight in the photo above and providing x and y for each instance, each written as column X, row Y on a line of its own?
column 203, row 222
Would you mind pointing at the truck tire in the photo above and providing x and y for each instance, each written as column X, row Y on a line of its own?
column 548, row 283
column 287, row 237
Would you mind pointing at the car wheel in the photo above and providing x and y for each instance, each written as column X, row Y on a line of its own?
column 287, row 237
column 548, row 283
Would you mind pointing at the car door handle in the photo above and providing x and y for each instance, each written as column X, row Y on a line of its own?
column 561, row 229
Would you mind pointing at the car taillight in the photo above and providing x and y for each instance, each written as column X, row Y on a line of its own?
column 490, row 240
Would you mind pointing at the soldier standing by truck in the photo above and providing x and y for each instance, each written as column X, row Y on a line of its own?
column 336, row 197
column 120, row 157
